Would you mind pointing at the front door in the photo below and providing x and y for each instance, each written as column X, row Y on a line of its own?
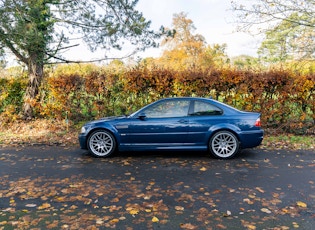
column 161, row 125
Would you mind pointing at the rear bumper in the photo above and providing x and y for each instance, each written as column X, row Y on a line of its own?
column 251, row 139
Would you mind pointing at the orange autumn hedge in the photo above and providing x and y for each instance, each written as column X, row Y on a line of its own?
column 285, row 99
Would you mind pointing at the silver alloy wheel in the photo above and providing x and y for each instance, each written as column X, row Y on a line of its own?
column 224, row 144
column 101, row 143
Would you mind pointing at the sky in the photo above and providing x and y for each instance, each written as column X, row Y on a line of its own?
column 213, row 19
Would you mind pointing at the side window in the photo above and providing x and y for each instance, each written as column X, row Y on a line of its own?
column 205, row 109
column 169, row 108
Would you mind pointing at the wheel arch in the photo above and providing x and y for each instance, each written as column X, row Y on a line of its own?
column 225, row 127
column 100, row 129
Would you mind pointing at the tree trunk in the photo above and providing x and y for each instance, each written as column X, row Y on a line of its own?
column 36, row 73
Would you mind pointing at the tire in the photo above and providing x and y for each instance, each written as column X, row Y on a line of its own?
column 101, row 143
column 224, row 145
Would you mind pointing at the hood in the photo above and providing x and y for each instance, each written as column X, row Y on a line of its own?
column 104, row 119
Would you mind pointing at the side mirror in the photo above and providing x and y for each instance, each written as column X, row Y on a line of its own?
column 142, row 116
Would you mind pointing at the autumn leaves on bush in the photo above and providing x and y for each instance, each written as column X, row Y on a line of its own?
column 82, row 92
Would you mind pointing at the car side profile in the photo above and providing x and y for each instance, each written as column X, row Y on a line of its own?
column 182, row 123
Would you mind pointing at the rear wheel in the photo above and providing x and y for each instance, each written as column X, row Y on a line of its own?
column 224, row 145
column 101, row 143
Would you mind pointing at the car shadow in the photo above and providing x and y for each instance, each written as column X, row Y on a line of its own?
column 248, row 153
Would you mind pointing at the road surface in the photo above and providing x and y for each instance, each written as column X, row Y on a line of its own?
column 48, row 187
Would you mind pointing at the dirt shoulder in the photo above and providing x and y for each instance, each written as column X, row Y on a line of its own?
column 39, row 132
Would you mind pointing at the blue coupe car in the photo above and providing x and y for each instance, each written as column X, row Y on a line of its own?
column 184, row 123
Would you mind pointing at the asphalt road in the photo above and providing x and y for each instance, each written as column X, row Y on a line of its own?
column 48, row 187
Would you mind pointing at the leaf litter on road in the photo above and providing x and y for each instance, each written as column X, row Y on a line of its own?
column 119, row 199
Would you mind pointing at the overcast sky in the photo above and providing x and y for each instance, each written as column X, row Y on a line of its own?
column 212, row 19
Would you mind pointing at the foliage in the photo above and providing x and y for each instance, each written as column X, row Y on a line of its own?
column 33, row 31
column 11, row 98
column 288, row 26
column 288, row 41
column 245, row 62
column 83, row 92
column 32, row 26
column 189, row 50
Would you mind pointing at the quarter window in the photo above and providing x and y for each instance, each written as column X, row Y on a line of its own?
column 205, row 109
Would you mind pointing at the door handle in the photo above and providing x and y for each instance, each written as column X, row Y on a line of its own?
column 183, row 121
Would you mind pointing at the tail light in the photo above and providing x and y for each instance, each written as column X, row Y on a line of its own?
column 257, row 122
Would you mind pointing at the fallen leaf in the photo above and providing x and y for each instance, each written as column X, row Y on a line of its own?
column 73, row 186
column 248, row 201
column 251, row 227
column 188, row 226
column 65, row 226
column 179, row 208
column 115, row 200
column 113, row 221
column 227, row 214
column 203, row 169
column 260, row 190
column 134, row 212
column 221, row 226
column 44, row 206
column 301, row 204
column 265, row 210
column 155, row 219
column 99, row 221
column 295, row 225
column 54, row 224
column 30, row 205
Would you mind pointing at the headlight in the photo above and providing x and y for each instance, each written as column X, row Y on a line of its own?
column 83, row 129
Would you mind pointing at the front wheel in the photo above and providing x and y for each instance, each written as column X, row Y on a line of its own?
column 224, row 145
column 101, row 143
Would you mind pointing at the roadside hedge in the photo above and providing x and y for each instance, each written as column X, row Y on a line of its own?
column 285, row 99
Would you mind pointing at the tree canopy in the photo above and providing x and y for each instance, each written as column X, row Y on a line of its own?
column 288, row 26
column 287, row 41
column 37, row 32
column 189, row 49
column 48, row 26
column 259, row 13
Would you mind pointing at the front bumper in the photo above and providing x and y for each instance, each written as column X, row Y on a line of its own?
column 83, row 141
